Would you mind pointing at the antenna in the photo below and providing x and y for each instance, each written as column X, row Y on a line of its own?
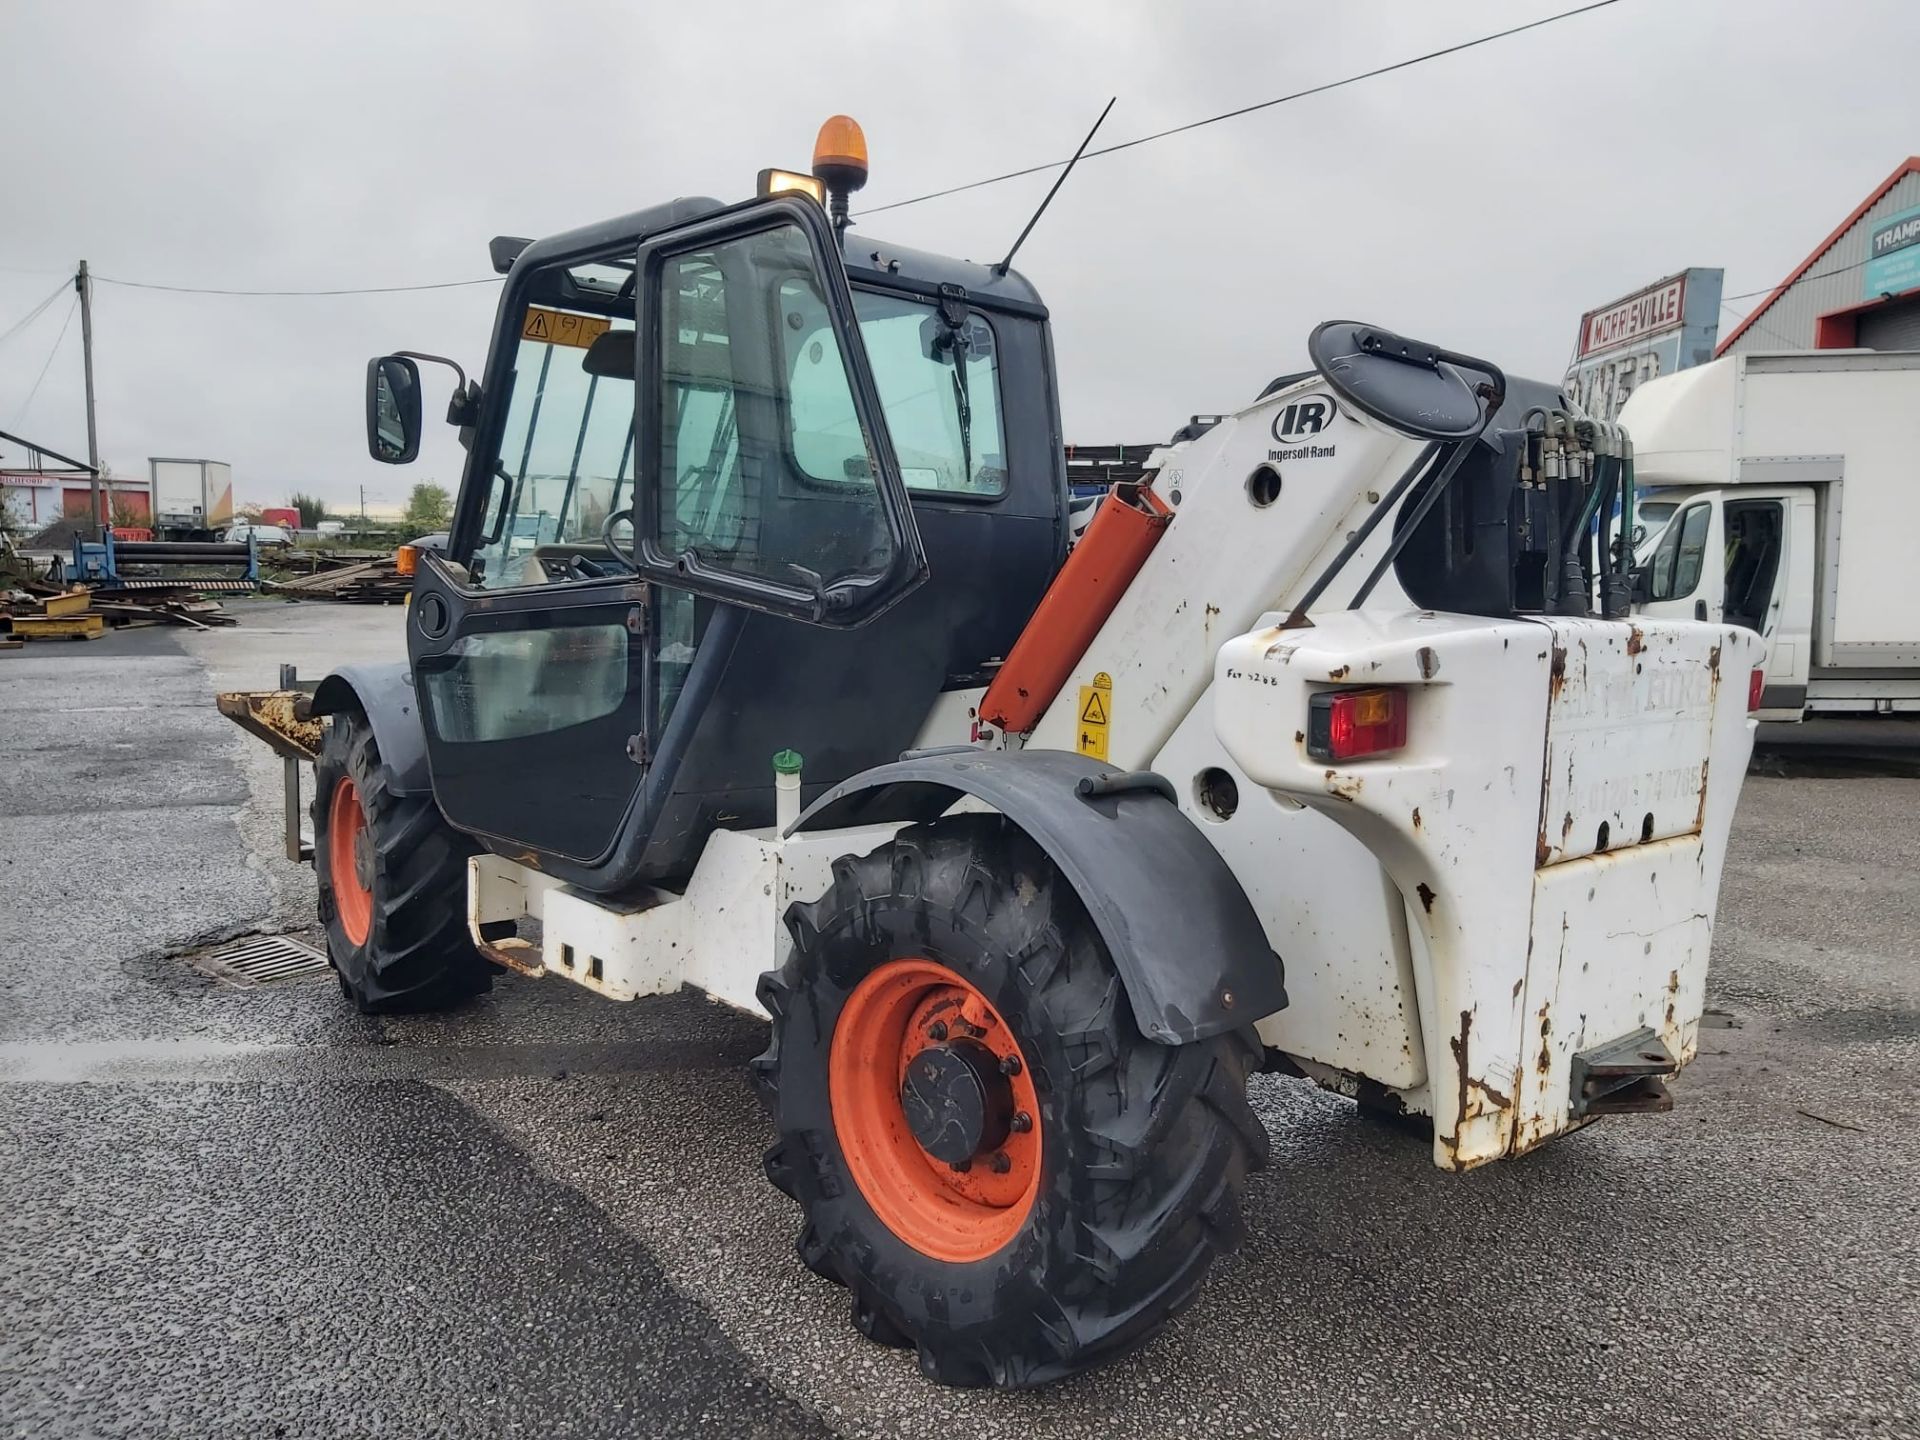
column 1003, row 266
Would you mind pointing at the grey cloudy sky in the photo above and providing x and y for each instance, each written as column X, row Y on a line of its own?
column 1483, row 200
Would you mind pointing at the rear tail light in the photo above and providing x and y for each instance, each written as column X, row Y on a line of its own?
column 1756, row 687
column 1351, row 724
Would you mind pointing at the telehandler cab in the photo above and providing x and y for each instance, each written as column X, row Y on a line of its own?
column 759, row 514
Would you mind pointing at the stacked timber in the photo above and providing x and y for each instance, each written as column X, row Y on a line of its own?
column 370, row 582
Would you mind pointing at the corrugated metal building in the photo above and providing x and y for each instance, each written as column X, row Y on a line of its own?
column 1859, row 289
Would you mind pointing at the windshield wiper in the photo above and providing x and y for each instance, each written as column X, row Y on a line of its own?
column 953, row 315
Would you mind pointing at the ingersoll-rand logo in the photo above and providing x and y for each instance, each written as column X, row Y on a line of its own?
column 1296, row 425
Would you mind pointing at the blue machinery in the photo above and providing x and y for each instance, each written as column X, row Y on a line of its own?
column 103, row 562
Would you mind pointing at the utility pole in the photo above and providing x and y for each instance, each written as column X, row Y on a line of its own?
column 84, row 284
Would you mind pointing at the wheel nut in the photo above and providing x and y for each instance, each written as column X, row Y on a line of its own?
column 1001, row 1164
column 1021, row 1122
column 961, row 1167
column 937, row 1030
column 1009, row 1064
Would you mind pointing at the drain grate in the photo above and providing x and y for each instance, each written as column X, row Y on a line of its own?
column 255, row 960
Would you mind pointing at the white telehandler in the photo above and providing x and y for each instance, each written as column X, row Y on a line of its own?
column 757, row 662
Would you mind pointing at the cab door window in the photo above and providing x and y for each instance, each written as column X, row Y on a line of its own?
column 1678, row 559
column 733, row 421
column 1754, row 532
column 728, row 507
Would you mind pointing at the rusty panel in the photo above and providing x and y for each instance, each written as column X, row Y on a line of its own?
column 1630, row 731
column 1620, row 942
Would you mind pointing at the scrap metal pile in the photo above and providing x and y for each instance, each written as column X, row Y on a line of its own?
column 33, row 609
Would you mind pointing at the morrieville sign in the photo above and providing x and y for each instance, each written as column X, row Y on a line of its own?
column 1663, row 307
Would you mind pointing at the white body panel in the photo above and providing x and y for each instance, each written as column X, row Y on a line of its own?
column 1835, row 437
column 1349, row 970
column 720, row 935
column 1224, row 561
column 1517, row 940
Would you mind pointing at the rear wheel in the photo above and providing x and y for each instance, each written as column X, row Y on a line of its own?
column 393, row 883
column 1004, row 1171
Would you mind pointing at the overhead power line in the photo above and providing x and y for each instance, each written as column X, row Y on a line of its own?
column 342, row 290
column 1234, row 114
column 1758, row 324
column 1249, row 109
column 72, row 305
column 34, row 314
column 1769, row 289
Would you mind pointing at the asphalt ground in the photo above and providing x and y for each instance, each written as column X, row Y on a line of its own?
column 256, row 1213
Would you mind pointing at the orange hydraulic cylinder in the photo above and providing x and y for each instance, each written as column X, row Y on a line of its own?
column 1126, row 527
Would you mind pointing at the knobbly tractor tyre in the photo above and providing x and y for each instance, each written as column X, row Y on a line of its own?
column 393, row 883
column 1006, row 1174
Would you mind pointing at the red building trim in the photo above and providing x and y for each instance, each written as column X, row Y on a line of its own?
column 1905, row 168
column 1840, row 329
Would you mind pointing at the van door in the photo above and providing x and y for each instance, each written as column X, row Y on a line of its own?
column 1744, row 557
column 1768, row 586
column 1687, row 572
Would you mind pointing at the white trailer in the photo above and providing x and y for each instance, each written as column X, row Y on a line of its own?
column 192, row 499
column 1797, row 477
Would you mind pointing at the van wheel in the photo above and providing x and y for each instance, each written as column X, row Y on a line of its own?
column 393, row 883
column 1007, row 1175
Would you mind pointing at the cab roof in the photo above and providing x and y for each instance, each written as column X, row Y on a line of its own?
column 868, row 260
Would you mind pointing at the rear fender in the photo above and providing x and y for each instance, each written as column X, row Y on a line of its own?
column 384, row 694
column 1189, row 947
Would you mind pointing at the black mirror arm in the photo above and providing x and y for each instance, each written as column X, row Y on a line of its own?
column 463, row 408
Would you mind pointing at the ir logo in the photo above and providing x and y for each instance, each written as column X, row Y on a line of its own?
column 1306, row 416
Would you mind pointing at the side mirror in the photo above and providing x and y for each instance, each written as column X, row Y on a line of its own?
column 393, row 409
column 1642, row 584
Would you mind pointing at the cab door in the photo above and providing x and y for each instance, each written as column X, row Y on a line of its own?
column 632, row 476
column 1686, row 573
column 1743, row 557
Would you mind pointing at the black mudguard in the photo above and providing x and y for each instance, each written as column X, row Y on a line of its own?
column 1182, row 932
column 384, row 694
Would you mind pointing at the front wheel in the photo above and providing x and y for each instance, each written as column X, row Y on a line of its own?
column 393, row 883
column 1004, row 1171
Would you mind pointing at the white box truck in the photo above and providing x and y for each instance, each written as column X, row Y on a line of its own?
column 192, row 499
column 1797, row 483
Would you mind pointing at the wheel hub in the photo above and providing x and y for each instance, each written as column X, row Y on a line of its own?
column 936, row 1110
column 957, row 1102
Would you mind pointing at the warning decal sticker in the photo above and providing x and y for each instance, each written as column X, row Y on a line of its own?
column 561, row 327
column 1096, row 713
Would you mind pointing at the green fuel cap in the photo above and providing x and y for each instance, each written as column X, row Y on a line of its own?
column 786, row 762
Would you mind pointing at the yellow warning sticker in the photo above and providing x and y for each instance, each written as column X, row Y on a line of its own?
column 562, row 327
column 1096, row 713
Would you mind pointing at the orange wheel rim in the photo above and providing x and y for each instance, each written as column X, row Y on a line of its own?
column 349, row 861
column 935, row 1110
